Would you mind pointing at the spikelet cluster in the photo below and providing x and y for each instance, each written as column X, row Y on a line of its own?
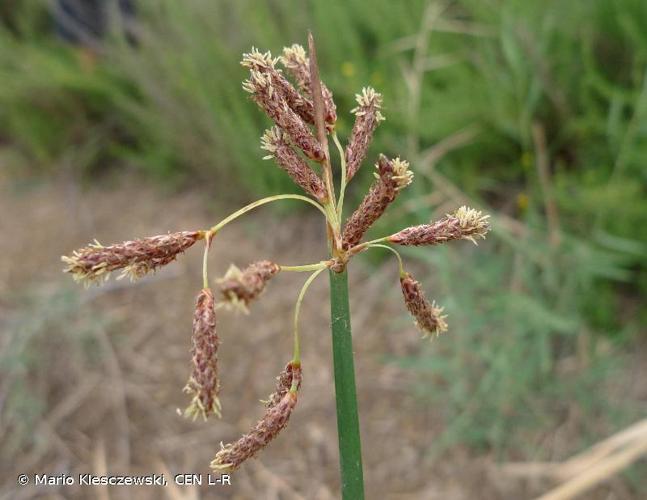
column 274, row 141
column 265, row 64
column 136, row 258
column 277, row 413
column 291, row 143
column 268, row 97
column 297, row 63
column 204, row 383
column 464, row 224
column 367, row 118
column 239, row 288
column 390, row 178
column 428, row 316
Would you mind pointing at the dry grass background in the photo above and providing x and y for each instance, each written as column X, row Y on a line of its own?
column 110, row 369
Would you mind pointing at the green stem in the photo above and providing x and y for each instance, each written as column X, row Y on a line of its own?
column 350, row 450
column 397, row 254
column 263, row 201
column 306, row 268
column 205, row 276
column 342, row 187
column 296, row 356
column 372, row 242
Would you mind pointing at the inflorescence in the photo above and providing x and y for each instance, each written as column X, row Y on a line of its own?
column 303, row 115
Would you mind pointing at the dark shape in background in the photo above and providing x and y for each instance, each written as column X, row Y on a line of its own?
column 86, row 22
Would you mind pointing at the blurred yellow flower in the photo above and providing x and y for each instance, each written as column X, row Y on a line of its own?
column 347, row 69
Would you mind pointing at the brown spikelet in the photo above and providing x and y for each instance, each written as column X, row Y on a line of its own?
column 291, row 375
column 297, row 63
column 429, row 318
column 204, row 384
column 277, row 413
column 466, row 223
column 94, row 263
column 270, row 100
column 265, row 64
column 276, row 143
column 390, row 178
column 367, row 118
column 239, row 288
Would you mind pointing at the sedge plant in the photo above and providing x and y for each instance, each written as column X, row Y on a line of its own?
column 304, row 116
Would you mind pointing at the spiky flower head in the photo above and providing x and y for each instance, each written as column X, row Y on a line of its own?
column 369, row 101
column 94, row 263
column 239, row 288
column 428, row 316
column 258, row 60
column 277, row 413
column 402, row 176
column 391, row 176
column 466, row 223
column 297, row 63
column 264, row 63
column 275, row 141
column 367, row 117
column 204, row 384
column 272, row 101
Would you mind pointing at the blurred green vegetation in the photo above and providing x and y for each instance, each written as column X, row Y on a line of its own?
column 523, row 107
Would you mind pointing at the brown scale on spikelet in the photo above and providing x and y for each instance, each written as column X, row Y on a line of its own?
column 466, row 223
column 265, row 64
column 367, row 117
column 429, row 318
column 390, row 178
column 204, row 384
column 94, row 263
column 298, row 65
column 270, row 99
column 277, row 413
column 291, row 373
column 239, row 288
column 275, row 141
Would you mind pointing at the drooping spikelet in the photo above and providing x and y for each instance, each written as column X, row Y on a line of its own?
column 273, row 102
column 277, row 413
column 290, row 374
column 265, row 64
column 204, row 384
column 239, row 288
column 429, row 318
column 466, row 223
column 276, row 142
column 367, row 118
column 390, row 178
column 298, row 65
column 94, row 263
